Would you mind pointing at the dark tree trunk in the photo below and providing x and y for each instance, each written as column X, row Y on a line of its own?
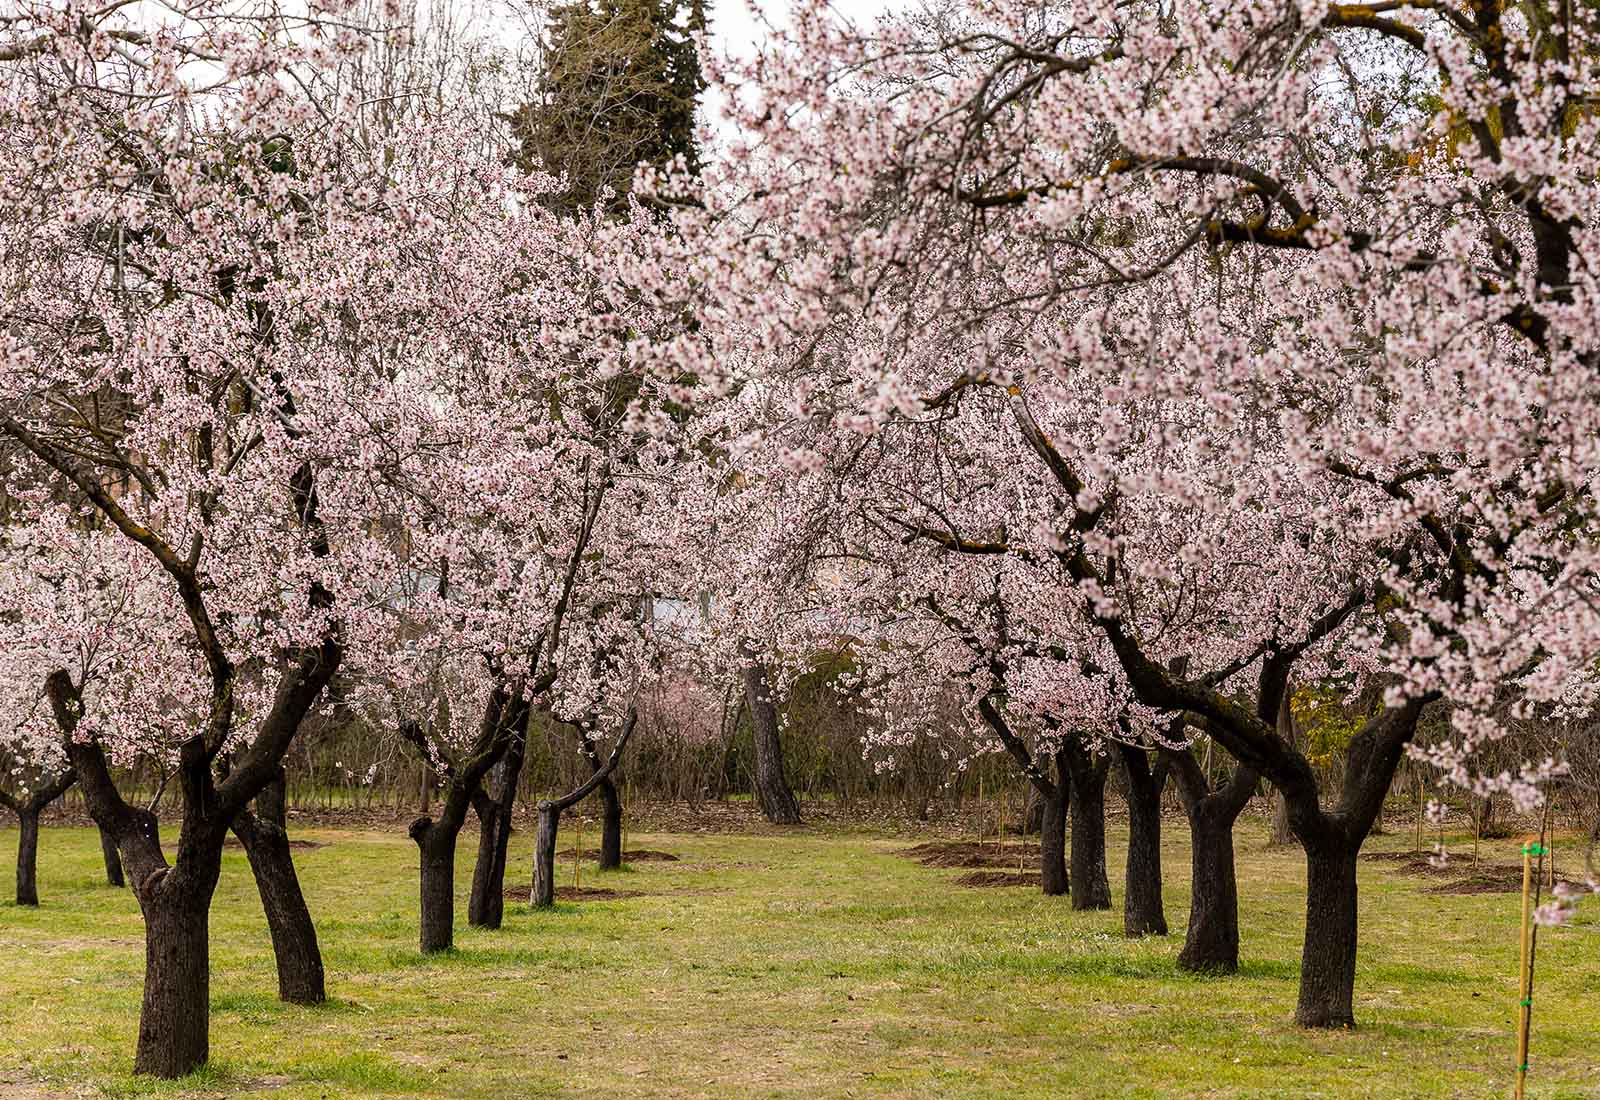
column 543, row 893
column 486, row 903
column 113, row 861
column 294, row 936
column 611, row 827
column 1211, row 944
column 436, row 843
column 174, row 1019
column 28, row 858
column 1090, row 887
column 1053, row 842
column 1328, row 960
column 495, row 807
column 772, row 786
column 1142, row 912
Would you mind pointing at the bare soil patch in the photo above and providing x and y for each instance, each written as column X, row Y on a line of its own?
column 632, row 855
column 297, row 845
column 969, row 853
column 997, row 878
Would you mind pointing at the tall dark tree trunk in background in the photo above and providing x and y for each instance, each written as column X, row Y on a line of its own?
column 28, row 808
column 495, row 807
column 542, row 895
column 1053, row 878
column 1211, row 942
column 264, row 835
column 1091, row 889
column 1142, row 911
column 1282, row 835
column 777, row 800
column 610, row 827
column 113, row 861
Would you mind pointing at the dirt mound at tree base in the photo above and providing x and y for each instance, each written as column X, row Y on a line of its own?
column 632, row 855
column 969, row 853
column 576, row 893
column 996, row 878
column 297, row 845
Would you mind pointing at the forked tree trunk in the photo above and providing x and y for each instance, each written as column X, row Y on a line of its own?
column 773, row 793
column 28, row 857
column 542, row 894
column 1091, row 889
column 436, row 846
column 113, row 861
column 1142, row 911
column 1282, row 835
column 1053, row 876
column 610, row 828
column 1211, row 942
column 1328, row 959
column 294, row 937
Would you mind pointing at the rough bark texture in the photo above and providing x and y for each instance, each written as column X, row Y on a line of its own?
column 1211, row 942
column 28, row 858
column 1091, row 889
column 1142, row 911
column 1053, row 841
column 265, row 838
column 1282, row 835
column 610, row 827
column 773, row 793
column 543, row 894
column 495, row 806
column 174, row 1019
column 113, row 861
column 1328, row 957
column 436, row 845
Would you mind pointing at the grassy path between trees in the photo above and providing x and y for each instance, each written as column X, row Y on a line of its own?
column 813, row 965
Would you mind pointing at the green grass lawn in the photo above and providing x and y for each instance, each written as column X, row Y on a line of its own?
column 813, row 965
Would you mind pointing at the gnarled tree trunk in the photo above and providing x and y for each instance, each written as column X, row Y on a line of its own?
column 1142, row 911
column 264, row 835
column 1211, row 942
column 436, row 845
column 1091, row 889
column 773, row 793
column 174, row 1019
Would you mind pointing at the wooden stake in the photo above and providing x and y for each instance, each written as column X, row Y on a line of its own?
column 577, row 851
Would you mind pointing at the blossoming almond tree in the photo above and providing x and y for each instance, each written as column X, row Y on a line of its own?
column 1314, row 264
column 184, row 367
